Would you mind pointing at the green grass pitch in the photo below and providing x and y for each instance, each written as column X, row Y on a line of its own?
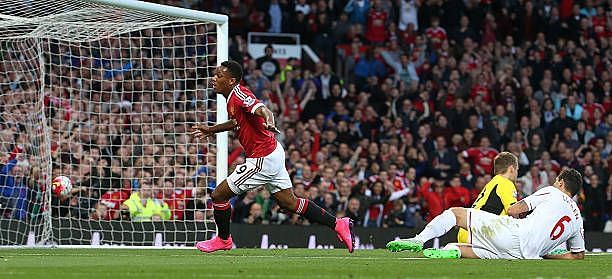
column 292, row 263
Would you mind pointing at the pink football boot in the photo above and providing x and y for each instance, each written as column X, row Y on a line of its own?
column 344, row 228
column 216, row 243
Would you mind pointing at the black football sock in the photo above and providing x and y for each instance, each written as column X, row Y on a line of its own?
column 222, row 215
column 314, row 213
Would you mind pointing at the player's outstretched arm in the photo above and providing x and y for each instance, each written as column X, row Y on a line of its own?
column 268, row 116
column 518, row 209
column 566, row 256
column 202, row 132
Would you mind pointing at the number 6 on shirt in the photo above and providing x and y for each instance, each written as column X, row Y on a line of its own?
column 560, row 226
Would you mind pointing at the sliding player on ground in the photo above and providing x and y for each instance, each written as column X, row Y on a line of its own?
column 554, row 219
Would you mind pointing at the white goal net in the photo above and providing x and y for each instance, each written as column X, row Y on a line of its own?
column 106, row 96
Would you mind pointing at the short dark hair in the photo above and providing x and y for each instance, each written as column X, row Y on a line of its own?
column 503, row 161
column 234, row 69
column 572, row 179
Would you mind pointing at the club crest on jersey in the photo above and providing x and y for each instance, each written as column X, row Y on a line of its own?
column 248, row 101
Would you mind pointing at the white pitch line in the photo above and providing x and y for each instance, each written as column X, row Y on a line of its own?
column 599, row 254
column 244, row 256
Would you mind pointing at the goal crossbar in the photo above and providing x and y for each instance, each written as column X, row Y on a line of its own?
column 165, row 10
column 222, row 22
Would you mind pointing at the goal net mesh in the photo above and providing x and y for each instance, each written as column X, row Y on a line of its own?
column 105, row 96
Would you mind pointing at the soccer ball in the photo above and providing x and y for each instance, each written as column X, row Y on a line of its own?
column 61, row 186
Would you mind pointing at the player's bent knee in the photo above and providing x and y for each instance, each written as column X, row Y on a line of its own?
column 458, row 211
column 216, row 197
column 460, row 216
column 287, row 204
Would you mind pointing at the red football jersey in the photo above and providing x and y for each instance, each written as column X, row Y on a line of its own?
column 482, row 159
column 256, row 140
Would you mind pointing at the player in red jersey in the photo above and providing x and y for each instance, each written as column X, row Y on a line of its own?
column 264, row 166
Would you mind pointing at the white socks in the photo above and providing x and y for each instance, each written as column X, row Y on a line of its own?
column 438, row 226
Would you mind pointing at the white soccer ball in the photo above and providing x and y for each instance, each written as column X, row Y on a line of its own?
column 61, row 186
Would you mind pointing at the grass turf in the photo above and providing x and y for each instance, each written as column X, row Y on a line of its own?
column 292, row 263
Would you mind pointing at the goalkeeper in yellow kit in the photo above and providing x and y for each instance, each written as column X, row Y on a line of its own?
column 500, row 193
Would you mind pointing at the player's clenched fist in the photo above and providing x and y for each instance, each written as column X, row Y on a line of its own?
column 201, row 131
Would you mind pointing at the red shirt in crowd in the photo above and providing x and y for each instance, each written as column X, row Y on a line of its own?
column 435, row 201
column 456, row 197
column 177, row 202
column 437, row 35
column 377, row 32
column 113, row 200
column 481, row 158
column 591, row 109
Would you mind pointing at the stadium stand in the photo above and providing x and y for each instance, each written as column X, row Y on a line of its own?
column 400, row 119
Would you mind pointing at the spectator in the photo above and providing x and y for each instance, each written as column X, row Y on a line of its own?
column 456, row 195
column 405, row 71
column 266, row 204
column 353, row 211
column 242, row 206
column 255, row 215
column 398, row 216
column 534, row 180
column 481, row 157
column 433, row 197
column 143, row 206
column 109, row 206
column 444, row 161
column 535, row 149
column 14, row 189
column 276, row 14
column 376, row 26
column 581, row 134
column 367, row 67
column 463, row 31
column 573, row 109
column 267, row 64
column 238, row 17
column 357, row 11
column 325, row 82
column 595, row 197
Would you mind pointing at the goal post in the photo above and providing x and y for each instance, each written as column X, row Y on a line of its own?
column 222, row 23
column 104, row 92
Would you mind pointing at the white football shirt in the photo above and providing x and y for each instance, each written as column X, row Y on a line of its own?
column 555, row 220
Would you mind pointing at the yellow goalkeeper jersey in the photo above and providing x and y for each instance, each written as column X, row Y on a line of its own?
column 496, row 197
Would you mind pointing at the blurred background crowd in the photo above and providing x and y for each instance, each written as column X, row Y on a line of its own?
column 400, row 120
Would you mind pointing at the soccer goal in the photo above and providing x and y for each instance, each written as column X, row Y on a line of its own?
column 105, row 92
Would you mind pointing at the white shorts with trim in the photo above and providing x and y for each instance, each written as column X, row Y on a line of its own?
column 268, row 171
column 493, row 236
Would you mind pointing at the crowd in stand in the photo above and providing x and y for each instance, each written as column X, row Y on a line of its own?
column 401, row 119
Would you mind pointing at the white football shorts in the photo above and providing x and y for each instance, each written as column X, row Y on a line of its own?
column 268, row 171
column 493, row 236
